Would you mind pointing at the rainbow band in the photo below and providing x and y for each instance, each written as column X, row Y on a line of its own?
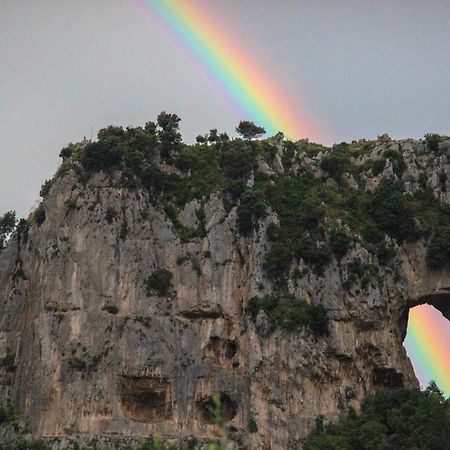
column 427, row 343
column 258, row 95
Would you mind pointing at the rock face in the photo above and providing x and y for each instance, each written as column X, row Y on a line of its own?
column 98, row 351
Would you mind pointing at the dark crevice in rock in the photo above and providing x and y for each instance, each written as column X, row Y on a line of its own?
column 202, row 313
column 145, row 399
column 387, row 377
column 207, row 409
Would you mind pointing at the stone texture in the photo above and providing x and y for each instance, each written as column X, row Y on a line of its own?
column 95, row 355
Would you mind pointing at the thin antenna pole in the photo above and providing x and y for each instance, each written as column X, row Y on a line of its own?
column 92, row 131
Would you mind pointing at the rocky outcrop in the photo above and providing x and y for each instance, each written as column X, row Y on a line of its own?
column 97, row 352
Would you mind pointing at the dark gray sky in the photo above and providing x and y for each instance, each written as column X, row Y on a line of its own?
column 359, row 68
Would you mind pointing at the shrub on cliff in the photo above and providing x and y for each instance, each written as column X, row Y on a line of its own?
column 306, row 207
column 160, row 282
column 401, row 419
column 27, row 444
column 7, row 226
column 336, row 162
column 290, row 313
column 251, row 208
column 169, row 134
column 438, row 252
column 432, row 140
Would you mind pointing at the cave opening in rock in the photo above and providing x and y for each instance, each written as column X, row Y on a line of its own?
column 206, row 408
column 427, row 341
column 145, row 399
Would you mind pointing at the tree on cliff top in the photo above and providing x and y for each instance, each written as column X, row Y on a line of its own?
column 248, row 130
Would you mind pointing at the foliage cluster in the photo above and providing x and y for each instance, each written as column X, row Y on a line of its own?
column 305, row 205
column 432, row 140
column 248, row 130
column 400, row 419
column 160, row 282
column 27, row 444
column 251, row 209
column 290, row 313
column 336, row 162
column 7, row 225
column 312, row 214
column 129, row 148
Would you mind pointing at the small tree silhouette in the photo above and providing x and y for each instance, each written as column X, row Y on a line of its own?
column 248, row 130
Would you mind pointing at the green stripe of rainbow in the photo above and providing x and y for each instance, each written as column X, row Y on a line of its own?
column 427, row 344
column 258, row 94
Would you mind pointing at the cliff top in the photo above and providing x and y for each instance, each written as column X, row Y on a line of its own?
column 378, row 192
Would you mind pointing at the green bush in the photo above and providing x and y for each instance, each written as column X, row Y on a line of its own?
column 277, row 261
column 237, row 159
column 45, row 188
column 378, row 166
column 336, row 162
column 77, row 364
column 110, row 215
column 391, row 213
column 252, row 426
column 400, row 419
column 66, row 152
column 358, row 271
column 289, row 313
column 251, row 208
column 398, row 162
column 438, row 251
column 432, row 140
column 273, row 232
column 8, row 362
column 27, row 444
column 103, row 154
column 38, row 216
column 160, row 282
column 169, row 135
column 340, row 242
column 7, row 226
column 248, row 130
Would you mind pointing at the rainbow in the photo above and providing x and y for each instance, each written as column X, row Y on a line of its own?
column 249, row 90
column 247, row 84
column 427, row 343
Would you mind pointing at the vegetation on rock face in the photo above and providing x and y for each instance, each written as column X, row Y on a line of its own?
column 252, row 207
column 432, row 140
column 311, row 213
column 160, row 282
column 321, row 203
column 336, row 162
column 27, row 444
column 290, row 313
column 7, row 226
column 318, row 220
column 401, row 420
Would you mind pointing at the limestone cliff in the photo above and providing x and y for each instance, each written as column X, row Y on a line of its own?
column 98, row 345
